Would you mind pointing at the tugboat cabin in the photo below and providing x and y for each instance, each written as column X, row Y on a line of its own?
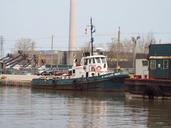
column 160, row 61
column 90, row 66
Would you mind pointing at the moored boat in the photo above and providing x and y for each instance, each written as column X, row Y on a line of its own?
column 90, row 74
column 107, row 82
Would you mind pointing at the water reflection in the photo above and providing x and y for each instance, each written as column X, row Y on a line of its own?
column 156, row 113
column 23, row 107
column 88, row 109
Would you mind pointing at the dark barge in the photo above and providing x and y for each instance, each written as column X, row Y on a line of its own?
column 158, row 83
column 148, row 88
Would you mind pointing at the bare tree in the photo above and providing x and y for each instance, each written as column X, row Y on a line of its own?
column 149, row 39
column 24, row 44
column 144, row 42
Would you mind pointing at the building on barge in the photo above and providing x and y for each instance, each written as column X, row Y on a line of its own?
column 158, row 84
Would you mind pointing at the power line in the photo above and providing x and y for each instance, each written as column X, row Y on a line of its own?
column 96, row 35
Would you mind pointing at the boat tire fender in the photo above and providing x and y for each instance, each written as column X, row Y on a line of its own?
column 98, row 68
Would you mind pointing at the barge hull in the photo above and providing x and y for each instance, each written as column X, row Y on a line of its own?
column 152, row 89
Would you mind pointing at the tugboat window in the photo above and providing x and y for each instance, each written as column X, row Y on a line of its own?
column 103, row 60
column 93, row 61
column 89, row 61
column 165, row 64
column 98, row 60
column 85, row 62
column 152, row 64
column 73, row 71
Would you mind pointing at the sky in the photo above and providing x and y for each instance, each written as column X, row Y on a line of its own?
column 39, row 19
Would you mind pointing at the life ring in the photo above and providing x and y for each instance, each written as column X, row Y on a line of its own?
column 92, row 69
column 98, row 68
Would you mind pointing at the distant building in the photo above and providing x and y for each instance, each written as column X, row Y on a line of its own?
column 160, row 61
column 55, row 57
column 51, row 56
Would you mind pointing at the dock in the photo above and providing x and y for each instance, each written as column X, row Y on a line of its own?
column 16, row 80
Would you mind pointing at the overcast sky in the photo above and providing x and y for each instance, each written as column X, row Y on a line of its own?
column 39, row 19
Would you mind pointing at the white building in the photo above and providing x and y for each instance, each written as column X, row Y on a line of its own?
column 141, row 66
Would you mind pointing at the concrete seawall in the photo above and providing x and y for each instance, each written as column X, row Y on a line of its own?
column 16, row 80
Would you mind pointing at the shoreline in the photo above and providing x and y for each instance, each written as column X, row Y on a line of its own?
column 16, row 80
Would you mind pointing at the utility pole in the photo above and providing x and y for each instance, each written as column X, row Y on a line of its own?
column 52, row 39
column 52, row 42
column 118, row 49
column 1, row 46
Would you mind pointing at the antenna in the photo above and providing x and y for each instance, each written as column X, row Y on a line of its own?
column 92, row 29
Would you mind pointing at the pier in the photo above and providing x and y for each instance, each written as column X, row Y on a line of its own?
column 17, row 80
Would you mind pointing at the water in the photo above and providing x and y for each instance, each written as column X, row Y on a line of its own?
column 26, row 108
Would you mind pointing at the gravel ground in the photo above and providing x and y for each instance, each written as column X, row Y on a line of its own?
column 18, row 77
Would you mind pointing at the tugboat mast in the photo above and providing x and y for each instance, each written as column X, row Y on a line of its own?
column 92, row 38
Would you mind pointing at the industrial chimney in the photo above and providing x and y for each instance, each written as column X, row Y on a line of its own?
column 72, row 32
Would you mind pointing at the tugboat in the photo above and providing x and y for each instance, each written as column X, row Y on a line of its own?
column 90, row 75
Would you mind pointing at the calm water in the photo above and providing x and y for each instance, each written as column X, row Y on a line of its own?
column 26, row 108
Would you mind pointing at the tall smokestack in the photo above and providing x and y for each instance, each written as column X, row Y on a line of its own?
column 72, row 32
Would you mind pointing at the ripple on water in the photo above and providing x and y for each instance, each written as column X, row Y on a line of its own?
column 23, row 107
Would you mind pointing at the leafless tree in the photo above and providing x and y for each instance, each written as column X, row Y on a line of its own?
column 24, row 44
column 149, row 39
